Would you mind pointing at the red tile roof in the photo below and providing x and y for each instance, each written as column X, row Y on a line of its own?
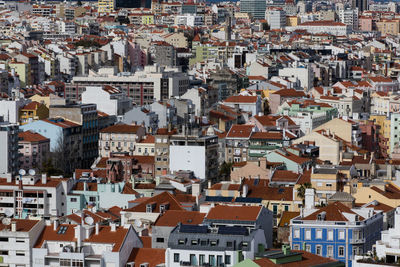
column 241, row 99
column 29, row 136
column 162, row 198
column 240, row 131
column 173, row 217
column 121, row 128
column 152, row 256
column 334, row 212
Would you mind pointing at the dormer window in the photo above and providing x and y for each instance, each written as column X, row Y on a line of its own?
column 150, row 207
column 357, row 218
column 164, row 207
column 321, row 216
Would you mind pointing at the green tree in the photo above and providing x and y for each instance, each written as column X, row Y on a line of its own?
column 49, row 169
column 301, row 191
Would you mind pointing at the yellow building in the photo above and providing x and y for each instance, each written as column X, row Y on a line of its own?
column 177, row 40
column 146, row 146
column 384, row 132
column 32, row 112
column 148, row 19
column 292, row 21
column 24, row 72
column 105, row 6
column 388, row 194
column 388, row 27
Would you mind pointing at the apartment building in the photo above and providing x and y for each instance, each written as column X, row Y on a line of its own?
column 8, row 148
column 34, row 150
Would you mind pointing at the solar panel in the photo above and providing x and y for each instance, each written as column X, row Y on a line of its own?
column 248, row 199
column 194, row 229
column 62, row 230
column 232, row 230
column 218, row 199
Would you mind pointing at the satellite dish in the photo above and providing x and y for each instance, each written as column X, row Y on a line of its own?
column 138, row 223
column 32, row 172
column 8, row 213
column 22, row 172
column 89, row 220
column 6, row 221
column 128, row 215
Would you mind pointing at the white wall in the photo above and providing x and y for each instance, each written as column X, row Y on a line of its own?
column 188, row 158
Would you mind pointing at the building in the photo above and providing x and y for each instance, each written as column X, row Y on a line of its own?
column 256, row 8
column 237, row 143
column 336, row 230
column 17, row 240
column 250, row 104
column 201, row 244
column 86, row 116
column 34, row 150
column 61, row 245
column 105, row 6
column 349, row 17
column 362, row 5
column 163, row 53
column 9, row 163
column 328, row 27
column 120, row 138
column 276, row 18
column 108, row 99
column 196, row 153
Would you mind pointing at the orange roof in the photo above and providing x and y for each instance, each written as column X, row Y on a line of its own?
column 241, row 99
column 158, row 200
column 152, row 256
column 48, row 234
column 174, row 217
column 334, row 212
column 308, row 259
column 32, row 106
column 240, row 131
column 107, row 236
column 290, row 93
column 29, row 136
column 234, row 213
column 286, row 217
column 22, row 225
column 121, row 128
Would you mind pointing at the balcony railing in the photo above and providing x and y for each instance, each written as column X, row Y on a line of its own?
column 357, row 240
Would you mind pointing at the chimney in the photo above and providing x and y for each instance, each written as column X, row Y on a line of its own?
column 13, row 226
column 85, row 186
column 44, row 178
column 55, row 225
column 9, row 177
column 97, row 226
column 78, row 235
column 309, row 198
column 113, row 227
column 245, row 190
column 209, row 184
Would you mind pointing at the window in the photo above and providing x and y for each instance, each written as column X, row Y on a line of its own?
column 296, row 247
column 219, row 260
column 329, row 251
column 319, row 233
column 20, row 240
column 227, row 259
column 211, row 260
column 48, row 195
column 3, row 239
column 213, row 243
column 202, row 259
column 341, row 234
column 195, row 242
column 181, row 241
column 245, row 244
column 341, row 251
column 330, row 235
column 308, row 234
column 92, row 199
column 229, row 244
column 318, row 250
column 296, row 233
column 286, row 207
column 192, row 259
column 308, row 248
column 176, row 257
column 160, row 240
column 203, row 242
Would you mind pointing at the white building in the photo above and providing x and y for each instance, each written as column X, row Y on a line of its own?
column 194, row 153
column 304, row 74
column 8, row 148
column 85, row 245
column 276, row 18
column 388, row 248
column 349, row 17
column 17, row 240
column 328, row 27
column 191, row 20
column 108, row 99
column 9, row 109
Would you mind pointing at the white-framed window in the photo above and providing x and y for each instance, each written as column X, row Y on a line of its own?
column 318, row 233
column 341, row 251
column 296, row 233
column 329, row 251
column 330, row 234
column 308, row 234
column 308, row 248
column 296, row 247
column 318, row 250
column 341, row 234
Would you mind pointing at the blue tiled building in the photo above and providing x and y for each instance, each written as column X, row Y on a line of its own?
column 336, row 231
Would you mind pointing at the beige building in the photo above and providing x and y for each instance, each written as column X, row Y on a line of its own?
column 388, row 27
column 178, row 40
column 120, row 138
column 342, row 128
column 329, row 145
column 251, row 169
column 145, row 147
column 388, row 194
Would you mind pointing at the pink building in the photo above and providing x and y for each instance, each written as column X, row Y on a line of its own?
column 365, row 23
column 34, row 150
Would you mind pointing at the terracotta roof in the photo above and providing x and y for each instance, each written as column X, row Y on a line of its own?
column 30, row 136
column 173, row 217
column 31, row 106
column 285, row 176
column 121, row 128
column 234, row 213
column 261, row 189
column 270, row 120
column 322, row 23
column 293, row 157
column 107, row 236
column 240, row 131
column 152, row 256
column 48, row 234
column 162, row 198
column 390, row 191
column 62, row 123
column 22, row 225
column 286, row 217
column 289, row 93
column 334, row 212
column 308, row 259
column 148, row 139
column 241, row 99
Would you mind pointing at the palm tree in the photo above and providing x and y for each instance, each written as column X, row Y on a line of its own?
column 301, row 191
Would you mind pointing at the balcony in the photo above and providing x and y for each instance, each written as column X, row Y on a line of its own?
column 357, row 241
column 107, row 148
